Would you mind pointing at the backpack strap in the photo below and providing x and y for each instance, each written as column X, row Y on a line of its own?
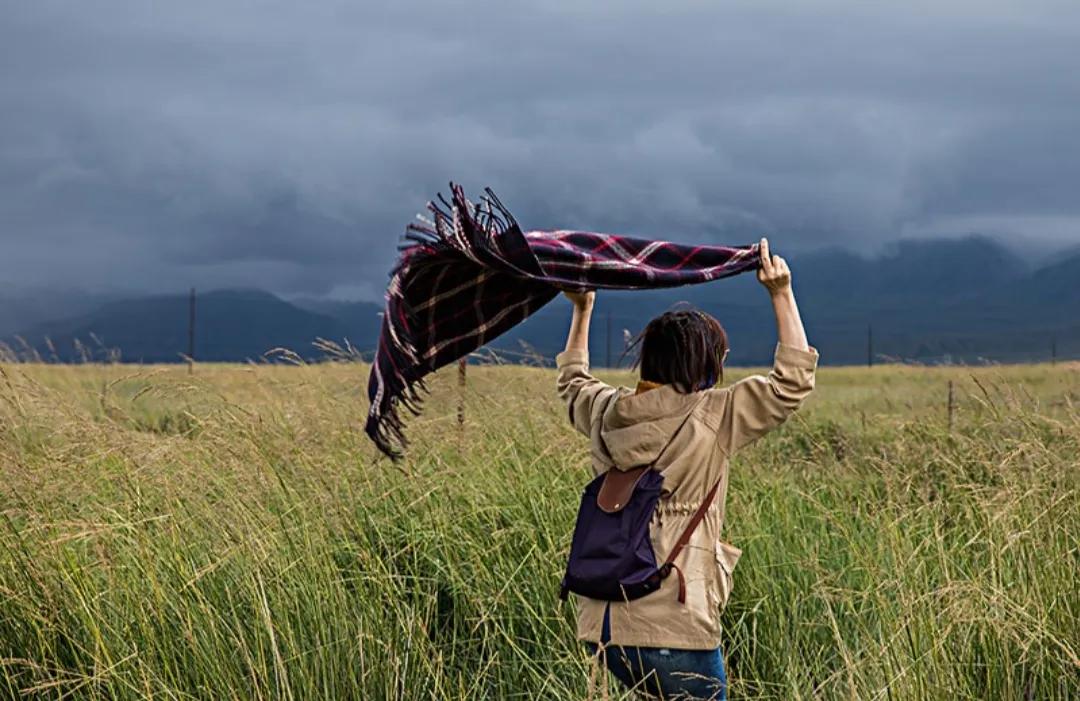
column 684, row 539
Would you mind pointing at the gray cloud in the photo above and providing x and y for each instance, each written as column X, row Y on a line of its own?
column 285, row 145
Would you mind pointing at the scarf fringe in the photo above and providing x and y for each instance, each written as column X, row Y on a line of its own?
column 386, row 428
column 459, row 224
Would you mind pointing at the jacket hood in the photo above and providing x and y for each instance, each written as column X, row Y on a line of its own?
column 637, row 427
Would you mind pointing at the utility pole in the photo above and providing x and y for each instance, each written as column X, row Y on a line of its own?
column 609, row 339
column 869, row 346
column 191, row 332
column 1053, row 350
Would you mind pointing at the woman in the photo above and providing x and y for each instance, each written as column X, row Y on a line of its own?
column 678, row 420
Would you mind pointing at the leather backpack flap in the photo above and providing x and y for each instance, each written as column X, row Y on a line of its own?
column 617, row 488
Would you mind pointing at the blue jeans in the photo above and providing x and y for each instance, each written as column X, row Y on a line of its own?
column 666, row 673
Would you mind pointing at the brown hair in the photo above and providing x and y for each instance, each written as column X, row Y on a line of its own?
column 684, row 348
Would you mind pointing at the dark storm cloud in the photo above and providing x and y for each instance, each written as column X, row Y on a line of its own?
column 286, row 145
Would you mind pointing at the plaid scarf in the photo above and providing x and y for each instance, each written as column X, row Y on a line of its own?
column 469, row 274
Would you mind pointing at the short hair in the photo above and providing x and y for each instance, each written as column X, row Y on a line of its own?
column 684, row 348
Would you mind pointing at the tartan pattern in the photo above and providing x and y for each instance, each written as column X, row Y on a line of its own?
column 469, row 273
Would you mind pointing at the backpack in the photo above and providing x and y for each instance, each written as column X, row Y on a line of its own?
column 611, row 553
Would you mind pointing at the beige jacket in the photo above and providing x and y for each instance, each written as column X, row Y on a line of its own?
column 627, row 429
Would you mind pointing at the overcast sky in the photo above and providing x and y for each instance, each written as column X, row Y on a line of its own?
column 157, row 145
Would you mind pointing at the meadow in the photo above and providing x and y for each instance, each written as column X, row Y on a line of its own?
column 231, row 534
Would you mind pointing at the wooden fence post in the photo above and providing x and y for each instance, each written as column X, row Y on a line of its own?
column 951, row 405
column 461, row 395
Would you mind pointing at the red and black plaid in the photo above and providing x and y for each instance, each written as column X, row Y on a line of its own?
column 469, row 274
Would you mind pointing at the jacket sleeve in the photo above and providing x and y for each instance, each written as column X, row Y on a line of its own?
column 584, row 395
column 755, row 405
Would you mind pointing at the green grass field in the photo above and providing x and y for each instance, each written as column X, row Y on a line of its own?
column 230, row 535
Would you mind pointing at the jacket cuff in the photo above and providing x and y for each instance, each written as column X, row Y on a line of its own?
column 796, row 357
column 572, row 357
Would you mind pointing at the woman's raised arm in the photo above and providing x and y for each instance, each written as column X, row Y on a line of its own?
column 757, row 404
column 775, row 275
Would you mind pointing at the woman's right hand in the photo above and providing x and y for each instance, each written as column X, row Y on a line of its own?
column 774, row 272
column 581, row 300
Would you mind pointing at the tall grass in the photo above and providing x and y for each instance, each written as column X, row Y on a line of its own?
column 230, row 535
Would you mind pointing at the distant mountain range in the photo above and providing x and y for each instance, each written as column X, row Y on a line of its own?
column 966, row 300
column 230, row 325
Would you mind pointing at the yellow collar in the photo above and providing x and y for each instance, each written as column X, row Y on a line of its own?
column 646, row 385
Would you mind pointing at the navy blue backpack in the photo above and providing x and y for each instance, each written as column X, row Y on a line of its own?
column 611, row 554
